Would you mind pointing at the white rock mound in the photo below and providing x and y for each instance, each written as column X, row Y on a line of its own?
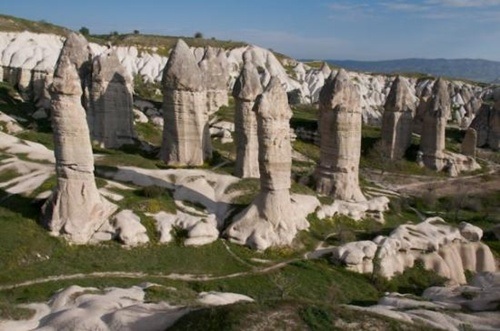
column 437, row 245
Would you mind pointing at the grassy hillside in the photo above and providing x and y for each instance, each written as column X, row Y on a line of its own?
column 163, row 43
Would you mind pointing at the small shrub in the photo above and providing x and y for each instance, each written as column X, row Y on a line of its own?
column 152, row 191
column 198, row 35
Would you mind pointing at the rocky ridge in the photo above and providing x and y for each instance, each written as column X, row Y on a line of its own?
column 28, row 59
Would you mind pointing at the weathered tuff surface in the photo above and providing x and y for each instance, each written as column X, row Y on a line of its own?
column 449, row 308
column 340, row 139
column 110, row 116
column 397, row 120
column 186, row 138
column 487, row 122
column 445, row 249
column 271, row 219
column 469, row 143
column 246, row 90
column 215, row 70
column 494, row 122
column 75, row 209
column 432, row 142
column 88, row 308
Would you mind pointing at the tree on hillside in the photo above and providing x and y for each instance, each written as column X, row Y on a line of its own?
column 136, row 32
column 198, row 35
column 84, row 31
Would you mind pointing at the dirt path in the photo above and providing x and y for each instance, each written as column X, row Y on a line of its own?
column 140, row 275
column 415, row 185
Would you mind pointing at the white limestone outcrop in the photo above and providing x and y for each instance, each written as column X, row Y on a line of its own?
column 28, row 60
column 446, row 308
column 442, row 248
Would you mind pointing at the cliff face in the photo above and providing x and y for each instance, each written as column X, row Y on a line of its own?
column 27, row 60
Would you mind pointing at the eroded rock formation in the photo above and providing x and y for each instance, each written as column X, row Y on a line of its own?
column 75, row 209
column 432, row 143
column 186, row 138
column 442, row 248
column 110, row 115
column 246, row 90
column 469, row 143
column 397, row 120
column 271, row 219
column 340, row 139
column 215, row 69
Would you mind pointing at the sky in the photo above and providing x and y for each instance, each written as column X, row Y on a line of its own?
column 303, row 29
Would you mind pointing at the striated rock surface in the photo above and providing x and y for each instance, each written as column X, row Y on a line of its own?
column 447, row 250
column 110, row 115
column 481, row 124
column 423, row 104
column 271, row 219
column 246, row 90
column 340, row 139
column 494, row 122
column 397, row 120
column 75, row 209
column 215, row 70
column 186, row 138
column 432, row 142
column 469, row 143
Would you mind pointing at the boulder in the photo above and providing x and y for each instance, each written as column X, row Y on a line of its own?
column 129, row 229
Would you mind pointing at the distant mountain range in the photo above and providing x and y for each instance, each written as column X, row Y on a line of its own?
column 477, row 70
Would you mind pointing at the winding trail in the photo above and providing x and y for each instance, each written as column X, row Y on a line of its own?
column 139, row 275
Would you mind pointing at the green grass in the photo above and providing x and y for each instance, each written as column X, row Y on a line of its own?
column 16, row 24
column 226, row 113
column 305, row 116
column 150, row 133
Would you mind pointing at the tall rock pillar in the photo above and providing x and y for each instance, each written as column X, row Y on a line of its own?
column 397, row 120
column 432, row 141
column 246, row 90
column 340, row 139
column 271, row 219
column 215, row 68
column 110, row 115
column 186, row 139
column 75, row 209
